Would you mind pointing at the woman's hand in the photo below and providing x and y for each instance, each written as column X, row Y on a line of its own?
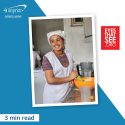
column 73, row 75
column 71, row 83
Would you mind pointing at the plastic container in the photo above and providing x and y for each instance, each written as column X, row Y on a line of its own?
column 85, row 94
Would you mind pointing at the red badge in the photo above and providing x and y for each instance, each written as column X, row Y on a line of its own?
column 110, row 37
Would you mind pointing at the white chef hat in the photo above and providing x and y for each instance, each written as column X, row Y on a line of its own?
column 57, row 32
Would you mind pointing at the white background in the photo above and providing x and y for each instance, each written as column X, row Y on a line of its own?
column 110, row 64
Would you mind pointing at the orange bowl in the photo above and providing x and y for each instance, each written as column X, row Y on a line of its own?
column 87, row 81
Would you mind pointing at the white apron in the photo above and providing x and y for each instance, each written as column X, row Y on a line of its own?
column 57, row 93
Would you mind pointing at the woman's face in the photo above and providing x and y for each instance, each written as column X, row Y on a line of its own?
column 57, row 43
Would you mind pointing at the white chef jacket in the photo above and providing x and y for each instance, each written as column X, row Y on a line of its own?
column 57, row 93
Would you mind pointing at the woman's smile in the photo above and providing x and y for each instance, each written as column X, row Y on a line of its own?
column 57, row 46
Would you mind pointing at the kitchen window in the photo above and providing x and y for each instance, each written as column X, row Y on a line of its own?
column 76, row 21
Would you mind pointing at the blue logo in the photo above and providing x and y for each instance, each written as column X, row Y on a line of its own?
column 15, row 9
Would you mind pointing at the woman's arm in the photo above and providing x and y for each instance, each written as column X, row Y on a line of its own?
column 51, row 79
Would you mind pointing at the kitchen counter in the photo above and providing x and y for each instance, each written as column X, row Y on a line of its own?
column 75, row 96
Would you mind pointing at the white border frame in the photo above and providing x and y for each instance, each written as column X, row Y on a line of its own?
column 94, row 59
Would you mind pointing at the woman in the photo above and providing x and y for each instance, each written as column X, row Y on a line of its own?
column 58, row 67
